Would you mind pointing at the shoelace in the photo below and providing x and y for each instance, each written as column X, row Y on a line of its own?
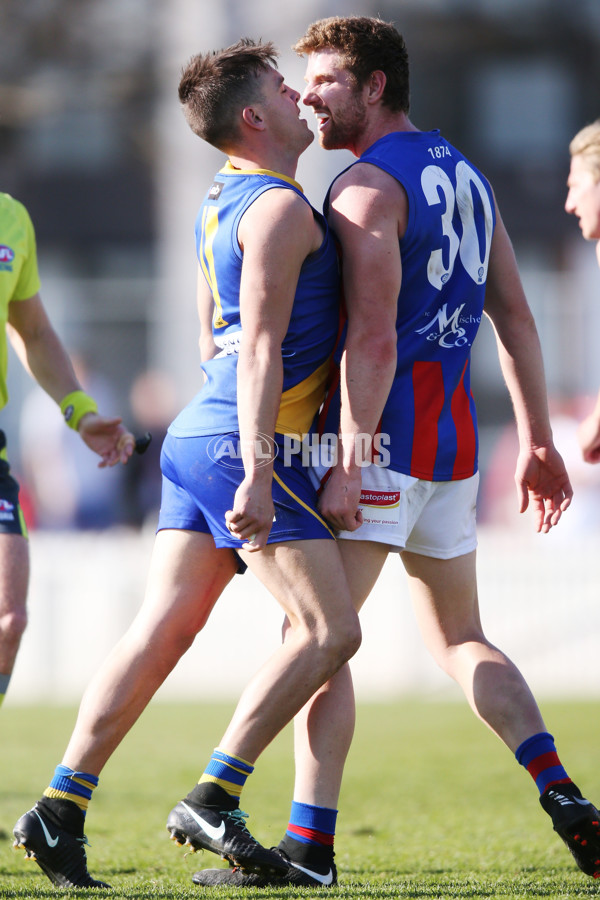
column 236, row 816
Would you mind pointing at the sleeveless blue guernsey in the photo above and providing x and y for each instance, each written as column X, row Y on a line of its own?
column 310, row 339
column 430, row 413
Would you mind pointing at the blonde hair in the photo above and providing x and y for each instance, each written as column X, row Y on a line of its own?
column 586, row 143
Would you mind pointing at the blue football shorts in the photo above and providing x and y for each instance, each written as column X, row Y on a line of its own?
column 201, row 474
column 11, row 515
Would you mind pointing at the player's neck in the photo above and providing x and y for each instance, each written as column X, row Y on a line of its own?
column 381, row 125
column 273, row 162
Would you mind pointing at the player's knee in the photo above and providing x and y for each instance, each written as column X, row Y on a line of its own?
column 354, row 635
column 463, row 653
column 345, row 638
column 331, row 640
column 12, row 626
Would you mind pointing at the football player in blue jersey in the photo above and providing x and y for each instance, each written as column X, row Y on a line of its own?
column 269, row 278
column 425, row 255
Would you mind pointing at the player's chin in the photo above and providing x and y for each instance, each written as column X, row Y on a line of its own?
column 327, row 143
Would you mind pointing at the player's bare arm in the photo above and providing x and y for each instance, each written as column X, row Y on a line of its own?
column 44, row 356
column 368, row 213
column 541, row 477
column 276, row 235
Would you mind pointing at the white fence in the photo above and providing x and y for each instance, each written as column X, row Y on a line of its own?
column 539, row 600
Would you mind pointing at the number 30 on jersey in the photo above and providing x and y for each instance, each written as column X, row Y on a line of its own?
column 474, row 252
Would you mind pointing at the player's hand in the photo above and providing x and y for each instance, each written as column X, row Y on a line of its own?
column 251, row 518
column 106, row 437
column 338, row 503
column 542, row 481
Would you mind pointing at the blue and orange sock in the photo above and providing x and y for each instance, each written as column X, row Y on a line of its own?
column 70, row 785
column 538, row 755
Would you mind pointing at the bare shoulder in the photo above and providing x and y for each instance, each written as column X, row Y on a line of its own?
column 280, row 201
column 275, row 208
column 277, row 212
column 366, row 176
column 367, row 195
column 278, row 216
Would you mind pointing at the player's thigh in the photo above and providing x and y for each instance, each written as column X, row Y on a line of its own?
column 187, row 575
column 363, row 562
column 444, row 597
column 14, row 572
column 307, row 579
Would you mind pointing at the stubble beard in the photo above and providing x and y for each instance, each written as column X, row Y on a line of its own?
column 347, row 126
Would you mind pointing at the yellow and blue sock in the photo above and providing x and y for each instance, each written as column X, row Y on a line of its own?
column 222, row 781
column 538, row 755
column 70, row 785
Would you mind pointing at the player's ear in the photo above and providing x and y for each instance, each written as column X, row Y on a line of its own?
column 376, row 84
column 252, row 117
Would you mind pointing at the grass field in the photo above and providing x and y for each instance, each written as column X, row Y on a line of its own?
column 433, row 805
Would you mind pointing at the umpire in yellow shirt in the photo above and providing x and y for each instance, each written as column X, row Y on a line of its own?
column 39, row 348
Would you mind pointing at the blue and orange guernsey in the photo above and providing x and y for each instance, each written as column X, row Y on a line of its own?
column 430, row 414
column 310, row 339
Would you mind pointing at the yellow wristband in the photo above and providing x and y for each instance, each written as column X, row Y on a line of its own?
column 75, row 405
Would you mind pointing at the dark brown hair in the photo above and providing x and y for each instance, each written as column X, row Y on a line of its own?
column 215, row 87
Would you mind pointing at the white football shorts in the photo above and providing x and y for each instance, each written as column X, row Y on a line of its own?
column 432, row 518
